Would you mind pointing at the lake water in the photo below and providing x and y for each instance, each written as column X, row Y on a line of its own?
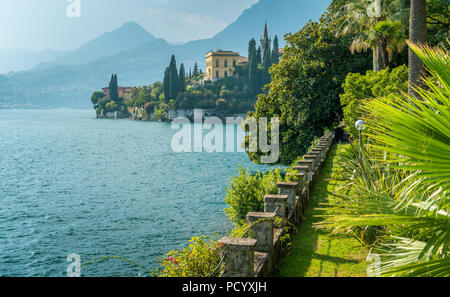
column 70, row 183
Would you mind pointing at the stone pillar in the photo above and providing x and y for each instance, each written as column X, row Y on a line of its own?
column 304, row 188
column 289, row 189
column 274, row 202
column 318, row 155
column 325, row 140
column 303, row 170
column 325, row 148
column 313, row 158
column 328, row 138
column 310, row 165
column 299, row 178
column 323, row 143
column 320, row 151
column 263, row 229
column 240, row 256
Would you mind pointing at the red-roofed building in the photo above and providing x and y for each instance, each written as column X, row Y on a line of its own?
column 243, row 60
column 124, row 92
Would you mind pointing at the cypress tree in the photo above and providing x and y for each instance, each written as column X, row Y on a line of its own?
column 275, row 52
column 267, row 57
column 111, row 81
column 195, row 73
column 174, row 80
column 182, row 77
column 251, row 48
column 166, row 85
column 113, row 89
column 253, row 72
column 258, row 55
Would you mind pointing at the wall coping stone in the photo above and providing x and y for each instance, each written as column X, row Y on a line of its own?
column 260, row 215
column 287, row 185
column 276, row 197
column 238, row 243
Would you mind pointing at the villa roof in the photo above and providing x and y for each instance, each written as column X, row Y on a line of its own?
column 243, row 59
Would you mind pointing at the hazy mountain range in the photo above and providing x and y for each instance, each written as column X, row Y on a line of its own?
column 67, row 79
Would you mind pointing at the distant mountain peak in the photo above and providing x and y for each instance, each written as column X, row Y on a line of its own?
column 133, row 27
column 131, row 24
column 124, row 38
column 129, row 34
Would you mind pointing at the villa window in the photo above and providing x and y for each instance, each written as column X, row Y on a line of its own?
column 226, row 74
column 217, row 74
column 226, row 63
column 217, row 63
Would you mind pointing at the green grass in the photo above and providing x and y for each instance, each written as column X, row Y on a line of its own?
column 317, row 253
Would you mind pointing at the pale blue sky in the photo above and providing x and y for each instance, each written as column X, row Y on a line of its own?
column 42, row 24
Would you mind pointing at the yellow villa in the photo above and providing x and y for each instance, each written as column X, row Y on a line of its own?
column 220, row 64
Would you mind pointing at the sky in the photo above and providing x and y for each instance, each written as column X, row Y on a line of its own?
column 45, row 24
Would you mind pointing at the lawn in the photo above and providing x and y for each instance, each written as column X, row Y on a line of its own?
column 317, row 253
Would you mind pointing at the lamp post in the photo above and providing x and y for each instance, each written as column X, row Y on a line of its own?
column 360, row 125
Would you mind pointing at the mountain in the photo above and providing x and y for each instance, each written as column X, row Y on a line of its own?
column 21, row 59
column 124, row 38
column 282, row 16
column 138, row 61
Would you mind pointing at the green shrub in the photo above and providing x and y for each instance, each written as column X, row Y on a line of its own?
column 359, row 88
column 199, row 259
column 246, row 193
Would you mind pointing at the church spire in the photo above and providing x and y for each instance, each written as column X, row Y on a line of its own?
column 266, row 33
column 265, row 41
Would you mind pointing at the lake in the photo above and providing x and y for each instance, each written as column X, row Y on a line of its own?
column 70, row 183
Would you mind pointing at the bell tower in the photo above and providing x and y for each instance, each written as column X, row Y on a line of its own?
column 265, row 40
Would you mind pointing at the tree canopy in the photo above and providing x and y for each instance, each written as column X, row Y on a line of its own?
column 305, row 87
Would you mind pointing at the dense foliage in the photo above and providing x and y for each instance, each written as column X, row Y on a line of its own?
column 397, row 198
column 305, row 87
column 246, row 193
column 380, row 26
column 438, row 19
column 359, row 88
column 198, row 259
column 103, row 104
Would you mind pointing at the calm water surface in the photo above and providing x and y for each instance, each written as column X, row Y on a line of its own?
column 70, row 183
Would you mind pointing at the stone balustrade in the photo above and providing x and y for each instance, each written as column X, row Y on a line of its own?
column 276, row 204
column 310, row 165
column 240, row 255
column 289, row 189
column 260, row 256
column 320, row 152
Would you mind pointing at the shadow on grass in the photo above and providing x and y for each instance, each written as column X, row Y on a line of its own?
column 305, row 244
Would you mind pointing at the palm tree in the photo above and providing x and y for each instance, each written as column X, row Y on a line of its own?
column 398, row 198
column 375, row 24
column 417, row 35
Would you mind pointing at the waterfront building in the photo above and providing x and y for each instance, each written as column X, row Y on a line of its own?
column 124, row 92
column 221, row 64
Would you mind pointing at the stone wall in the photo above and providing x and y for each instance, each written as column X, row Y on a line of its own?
column 260, row 256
